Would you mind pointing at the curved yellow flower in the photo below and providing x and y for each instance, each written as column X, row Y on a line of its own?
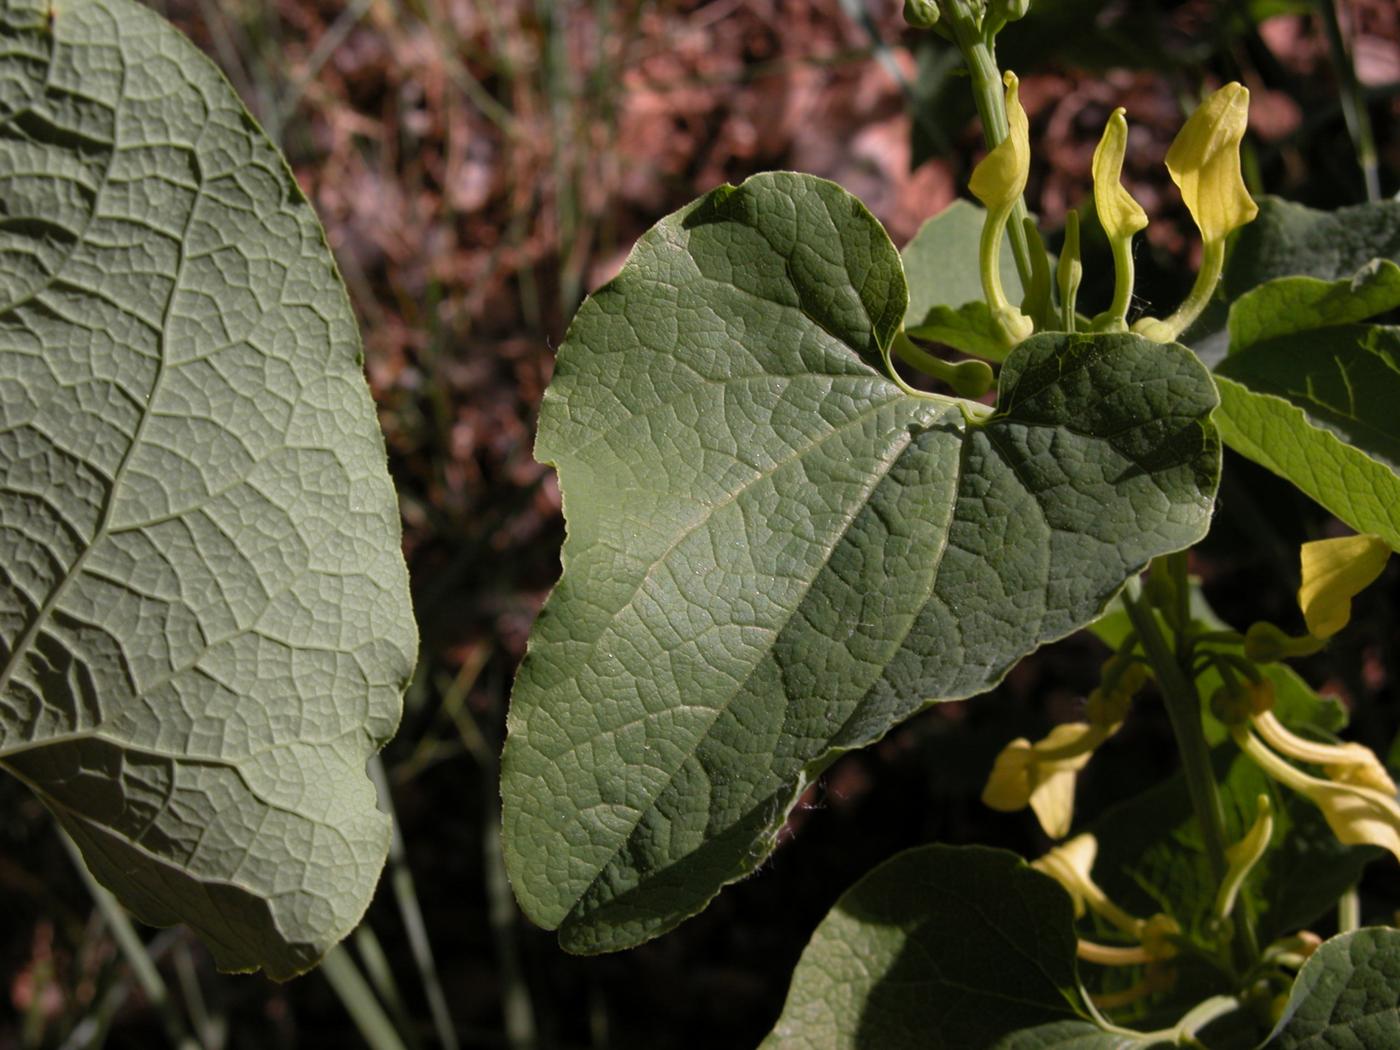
column 1119, row 215
column 1243, row 855
column 1357, row 815
column 1344, row 763
column 1041, row 775
column 1334, row 572
column 1000, row 177
column 1204, row 162
column 1070, row 864
column 998, row 182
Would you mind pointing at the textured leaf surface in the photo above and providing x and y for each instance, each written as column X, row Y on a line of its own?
column 1311, row 394
column 1289, row 239
column 775, row 555
column 939, row 948
column 1346, row 997
column 203, row 609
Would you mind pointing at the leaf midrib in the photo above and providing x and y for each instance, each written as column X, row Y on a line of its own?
column 56, row 592
column 878, row 475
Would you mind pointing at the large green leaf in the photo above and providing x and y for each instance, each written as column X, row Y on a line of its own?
column 1346, row 995
column 939, row 948
column 203, row 608
column 1311, row 394
column 774, row 554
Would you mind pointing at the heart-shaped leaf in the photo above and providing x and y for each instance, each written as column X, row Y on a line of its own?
column 938, row 947
column 775, row 554
column 204, row 619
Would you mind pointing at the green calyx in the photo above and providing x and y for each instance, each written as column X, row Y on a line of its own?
column 921, row 14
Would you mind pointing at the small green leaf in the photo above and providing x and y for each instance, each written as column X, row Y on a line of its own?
column 775, row 555
column 1299, row 304
column 939, row 948
column 1347, row 995
column 1346, row 379
column 1317, row 408
column 969, row 328
column 204, row 616
column 940, row 263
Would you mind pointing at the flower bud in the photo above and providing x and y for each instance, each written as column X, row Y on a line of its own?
column 921, row 14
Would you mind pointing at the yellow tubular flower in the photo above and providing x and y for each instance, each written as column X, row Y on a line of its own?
column 1041, row 775
column 1069, row 864
column 998, row 182
column 1345, row 763
column 1119, row 215
column 1358, row 816
column 1204, row 162
column 1334, row 572
column 1242, row 857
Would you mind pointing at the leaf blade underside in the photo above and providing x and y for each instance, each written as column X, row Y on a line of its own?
column 775, row 555
column 203, row 608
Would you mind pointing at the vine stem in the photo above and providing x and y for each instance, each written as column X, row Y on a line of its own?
column 1184, row 711
column 988, row 93
column 1183, row 705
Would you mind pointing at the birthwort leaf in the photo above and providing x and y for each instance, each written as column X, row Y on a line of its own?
column 775, row 555
column 204, row 618
column 939, row 948
column 1310, row 393
column 1347, row 995
column 1287, row 305
column 1288, row 239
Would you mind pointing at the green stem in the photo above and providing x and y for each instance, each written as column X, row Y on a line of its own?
column 988, row 92
column 1168, row 329
column 406, row 897
column 1184, row 711
column 1117, row 311
column 1071, row 272
column 1183, row 705
column 354, row 993
column 1349, row 911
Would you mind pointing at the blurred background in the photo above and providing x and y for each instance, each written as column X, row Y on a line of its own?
column 480, row 166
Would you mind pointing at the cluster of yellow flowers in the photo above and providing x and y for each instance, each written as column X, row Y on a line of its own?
column 1204, row 162
column 1354, row 791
